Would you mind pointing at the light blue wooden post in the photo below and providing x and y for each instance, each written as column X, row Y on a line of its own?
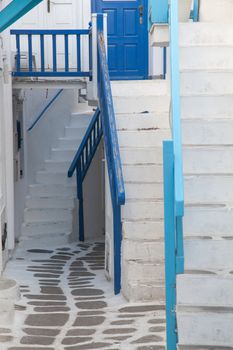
column 158, row 11
column 195, row 12
column 170, row 243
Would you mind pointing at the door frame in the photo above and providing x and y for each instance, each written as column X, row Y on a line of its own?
column 146, row 34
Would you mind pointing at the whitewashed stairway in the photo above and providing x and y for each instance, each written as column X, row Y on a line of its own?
column 205, row 291
column 50, row 200
column 143, row 122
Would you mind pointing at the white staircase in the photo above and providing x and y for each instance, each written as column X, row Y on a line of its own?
column 205, row 291
column 142, row 115
column 50, row 200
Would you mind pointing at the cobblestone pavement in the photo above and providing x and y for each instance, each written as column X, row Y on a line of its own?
column 67, row 304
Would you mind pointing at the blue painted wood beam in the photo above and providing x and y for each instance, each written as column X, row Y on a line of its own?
column 15, row 10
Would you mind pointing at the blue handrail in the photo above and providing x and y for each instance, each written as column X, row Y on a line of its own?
column 54, row 71
column 195, row 12
column 82, row 162
column 44, row 110
column 173, row 186
column 112, row 151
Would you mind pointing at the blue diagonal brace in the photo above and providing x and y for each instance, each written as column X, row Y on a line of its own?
column 15, row 10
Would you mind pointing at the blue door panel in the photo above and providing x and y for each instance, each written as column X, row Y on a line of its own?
column 127, row 37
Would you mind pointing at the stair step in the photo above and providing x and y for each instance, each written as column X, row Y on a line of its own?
column 206, row 328
column 80, row 120
column 75, row 132
column 208, row 159
column 57, row 166
column 142, row 210
column 204, row 291
column 65, row 155
column 69, row 143
column 50, row 202
column 207, row 132
column 143, row 121
column 207, row 33
column 209, row 255
column 45, row 177
column 141, row 155
column 46, row 228
column 34, row 239
column 206, row 57
column 153, row 138
column 143, row 173
column 208, row 189
column 143, row 190
column 143, row 230
column 141, row 88
column 208, row 221
column 145, row 292
column 211, row 106
column 140, row 104
column 206, row 82
column 47, row 215
column 41, row 190
column 149, row 252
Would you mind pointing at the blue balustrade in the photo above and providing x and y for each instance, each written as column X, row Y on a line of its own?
column 54, row 71
column 112, row 151
column 195, row 12
column 173, row 186
column 82, row 162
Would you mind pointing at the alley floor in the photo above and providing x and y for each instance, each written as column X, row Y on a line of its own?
column 66, row 303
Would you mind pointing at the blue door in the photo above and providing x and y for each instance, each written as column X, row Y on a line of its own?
column 127, row 37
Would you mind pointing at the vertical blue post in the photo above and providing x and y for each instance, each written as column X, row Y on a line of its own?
column 42, row 52
column 164, row 62
column 18, row 60
column 117, row 233
column 78, row 53
column 170, row 243
column 80, row 199
column 54, row 52
column 195, row 12
column 66, row 40
column 30, row 52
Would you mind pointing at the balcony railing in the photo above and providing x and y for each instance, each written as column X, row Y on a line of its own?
column 70, row 47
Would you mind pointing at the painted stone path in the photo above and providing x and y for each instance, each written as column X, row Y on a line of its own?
column 67, row 304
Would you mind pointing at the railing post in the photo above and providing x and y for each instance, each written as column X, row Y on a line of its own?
column 170, row 243
column 80, row 199
column 117, row 234
column 92, row 86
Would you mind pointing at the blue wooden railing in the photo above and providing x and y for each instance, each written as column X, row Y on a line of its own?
column 115, row 174
column 195, row 11
column 42, row 113
column 82, row 162
column 55, row 70
column 173, row 187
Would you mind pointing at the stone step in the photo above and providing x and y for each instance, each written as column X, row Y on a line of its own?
column 204, row 291
column 46, row 177
column 141, row 155
column 47, row 215
column 75, row 132
column 192, row 34
column 208, row 159
column 209, row 255
column 69, row 143
column 145, row 292
column 211, row 106
column 9, row 295
column 206, row 82
column 41, row 190
column 207, row 132
column 50, row 202
column 80, row 120
column 138, row 210
column 206, row 57
column 56, row 166
column 205, row 189
column 46, row 228
column 143, row 173
column 142, row 121
column 34, row 239
column 140, row 104
column 143, row 230
column 139, row 191
column 129, row 88
column 208, row 221
column 63, row 154
column 206, row 328
column 153, row 138
column 143, row 251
